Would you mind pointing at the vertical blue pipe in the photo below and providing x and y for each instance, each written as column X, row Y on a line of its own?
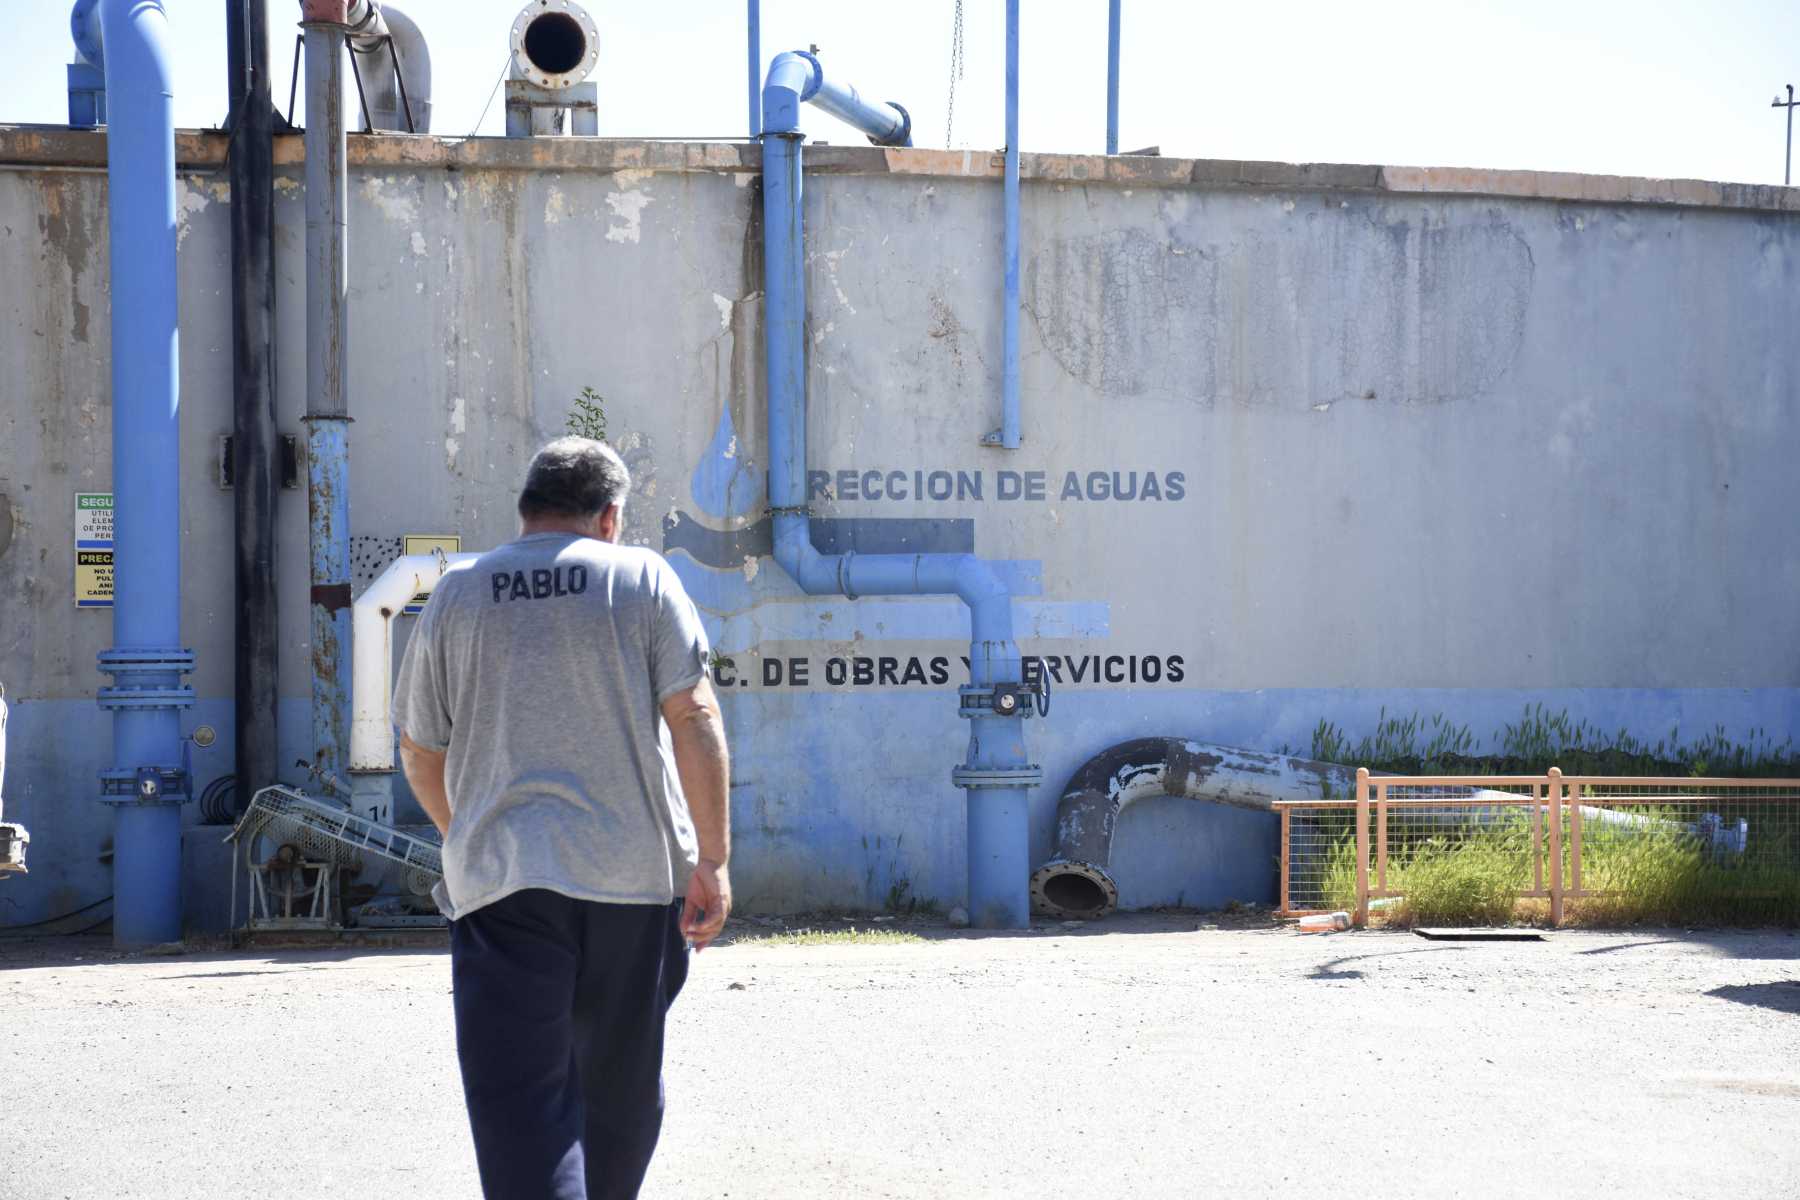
column 784, row 322
column 1009, row 385
column 1112, row 77
column 327, row 413
column 755, row 46
column 996, row 773
column 145, row 659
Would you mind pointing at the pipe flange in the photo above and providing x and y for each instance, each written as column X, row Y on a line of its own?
column 124, row 665
column 116, row 698
column 116, row 661
column 1077, row 890
column 555, row 44
column 904, row 137
column 816, row 80
column 843, row 573
column 125, row 785
column 1029, row 775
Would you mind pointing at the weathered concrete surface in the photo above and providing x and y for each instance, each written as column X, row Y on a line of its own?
column 55, row 146
column 1444, row 441
column 1151, row 1061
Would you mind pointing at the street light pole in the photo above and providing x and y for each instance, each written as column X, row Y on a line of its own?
column 1787, row 169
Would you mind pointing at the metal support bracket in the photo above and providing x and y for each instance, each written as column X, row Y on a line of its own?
column 87, row 96
column 531, row 109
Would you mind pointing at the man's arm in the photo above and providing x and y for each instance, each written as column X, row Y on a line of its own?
column 697, row 731
column 425, row 773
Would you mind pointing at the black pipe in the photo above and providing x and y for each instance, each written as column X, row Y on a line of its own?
column 1078, row 881
column 256, row 480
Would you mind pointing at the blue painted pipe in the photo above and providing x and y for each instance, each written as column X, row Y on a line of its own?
column 997, row 772
column 755, row 47
column 145, row 784
column 1009, row 351
column 1112, row 78
column 796, row 77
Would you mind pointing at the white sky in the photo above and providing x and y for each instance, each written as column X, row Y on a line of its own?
column 1636, row 87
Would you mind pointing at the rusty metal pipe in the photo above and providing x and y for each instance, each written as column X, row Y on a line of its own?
column 1078, row 880
column 327, row 412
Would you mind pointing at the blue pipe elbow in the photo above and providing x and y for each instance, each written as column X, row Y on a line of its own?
column 793, row 78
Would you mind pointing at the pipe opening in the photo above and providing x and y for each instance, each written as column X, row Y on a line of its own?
column 555, row 43
column 1073, row 893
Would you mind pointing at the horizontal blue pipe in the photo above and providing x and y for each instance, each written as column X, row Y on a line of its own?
column 795, row 78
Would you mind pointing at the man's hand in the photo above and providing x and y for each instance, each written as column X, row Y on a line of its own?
column 707, row 905
column 698, row 732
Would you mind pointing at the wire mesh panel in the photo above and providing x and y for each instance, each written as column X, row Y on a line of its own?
column 1467, row 850
column 1462, row 852
column 1713, row 850
column 1318, row 856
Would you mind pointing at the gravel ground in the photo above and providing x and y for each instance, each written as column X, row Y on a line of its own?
column 1146, row 1056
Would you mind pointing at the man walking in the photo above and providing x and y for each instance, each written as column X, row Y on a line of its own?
column 558, row 726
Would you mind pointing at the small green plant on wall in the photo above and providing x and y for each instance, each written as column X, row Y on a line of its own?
column 588, row 417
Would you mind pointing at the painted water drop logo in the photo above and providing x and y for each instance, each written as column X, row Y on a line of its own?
column 726, row 485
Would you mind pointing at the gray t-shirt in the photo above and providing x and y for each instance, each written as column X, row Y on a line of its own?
column 540, row 669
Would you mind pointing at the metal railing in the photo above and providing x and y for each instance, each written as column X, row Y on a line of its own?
column 1632, row 847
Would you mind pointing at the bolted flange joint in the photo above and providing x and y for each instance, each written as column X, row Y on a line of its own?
column 131, row 670
column 1028, row 775
column 125, row 666
column 146, row 785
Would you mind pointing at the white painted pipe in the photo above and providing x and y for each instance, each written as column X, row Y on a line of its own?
column 387, row 108
column 372, row 653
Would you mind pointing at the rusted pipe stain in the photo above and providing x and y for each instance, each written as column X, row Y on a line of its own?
column 331, row 596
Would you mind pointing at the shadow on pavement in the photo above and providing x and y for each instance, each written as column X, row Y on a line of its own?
column 1782, row 995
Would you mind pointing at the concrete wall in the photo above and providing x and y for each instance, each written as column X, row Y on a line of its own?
column 1423, row 441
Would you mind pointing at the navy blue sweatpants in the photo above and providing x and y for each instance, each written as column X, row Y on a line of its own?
column 559, row 1026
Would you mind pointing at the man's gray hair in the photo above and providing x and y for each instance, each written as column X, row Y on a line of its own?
column 573, row 477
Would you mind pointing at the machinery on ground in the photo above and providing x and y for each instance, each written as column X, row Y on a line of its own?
column 297, row 852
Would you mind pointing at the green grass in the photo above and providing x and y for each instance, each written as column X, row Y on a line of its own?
column 1651, row 872
column 1471, row 878
column 829, row 937
column 1541, row 739
column 1661, row 874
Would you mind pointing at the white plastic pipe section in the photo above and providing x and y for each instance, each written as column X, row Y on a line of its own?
column 372, row 653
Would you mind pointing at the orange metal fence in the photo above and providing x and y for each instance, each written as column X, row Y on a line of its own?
column 1551, row 837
